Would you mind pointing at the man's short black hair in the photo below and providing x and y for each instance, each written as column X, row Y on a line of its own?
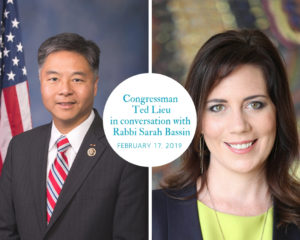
column 70, row 42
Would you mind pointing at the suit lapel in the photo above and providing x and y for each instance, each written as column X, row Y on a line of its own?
column 81, row 167
column 38, row 174
column 183, row 216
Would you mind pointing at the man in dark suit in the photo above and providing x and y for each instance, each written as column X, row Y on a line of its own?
column 62, row 180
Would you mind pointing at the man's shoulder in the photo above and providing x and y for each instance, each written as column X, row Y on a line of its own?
column 33, row 134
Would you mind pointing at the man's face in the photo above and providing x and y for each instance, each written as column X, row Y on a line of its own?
column 68, row 88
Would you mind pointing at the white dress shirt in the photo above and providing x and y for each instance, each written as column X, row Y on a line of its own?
column 75, row 137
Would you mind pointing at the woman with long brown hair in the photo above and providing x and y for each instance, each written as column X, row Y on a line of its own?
column 237, row 179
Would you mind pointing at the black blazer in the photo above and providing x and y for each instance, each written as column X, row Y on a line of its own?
column 174, row 219
column 104, row 197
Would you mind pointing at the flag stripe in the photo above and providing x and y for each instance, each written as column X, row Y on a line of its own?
column 5, row 130
column 23, row 97
column 13, row 110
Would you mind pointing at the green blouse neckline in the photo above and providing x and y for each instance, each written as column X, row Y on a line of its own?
column 234, row 227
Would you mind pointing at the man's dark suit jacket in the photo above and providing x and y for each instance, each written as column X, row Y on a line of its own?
column 104, row 197
column 177, row 219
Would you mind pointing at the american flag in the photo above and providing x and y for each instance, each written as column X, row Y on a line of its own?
column 15, row 114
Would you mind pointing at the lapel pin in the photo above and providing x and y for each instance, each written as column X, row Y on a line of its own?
column 91, row 152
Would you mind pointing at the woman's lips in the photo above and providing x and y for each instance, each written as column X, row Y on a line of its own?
column 241, row 147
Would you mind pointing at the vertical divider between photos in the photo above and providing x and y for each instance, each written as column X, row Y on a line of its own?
column 150, row 71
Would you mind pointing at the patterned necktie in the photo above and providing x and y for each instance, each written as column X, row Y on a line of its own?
column 57, row 175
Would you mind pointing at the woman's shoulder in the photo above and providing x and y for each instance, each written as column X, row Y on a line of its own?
column 174, row 194
column 159, row 200
column 158, row 194
column 159, row 214
column 162, row 198
column 169, row 206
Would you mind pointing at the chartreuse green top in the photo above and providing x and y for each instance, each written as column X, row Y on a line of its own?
column 234, row 227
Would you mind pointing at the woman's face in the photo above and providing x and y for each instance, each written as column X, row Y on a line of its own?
column 239, row 121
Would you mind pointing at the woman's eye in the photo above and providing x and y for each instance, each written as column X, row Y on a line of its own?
column 217, row 108
column 256, row 105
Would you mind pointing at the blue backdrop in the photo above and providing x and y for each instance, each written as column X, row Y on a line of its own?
column 119, row 27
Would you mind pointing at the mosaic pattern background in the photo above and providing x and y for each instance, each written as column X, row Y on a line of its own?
column 180, row 27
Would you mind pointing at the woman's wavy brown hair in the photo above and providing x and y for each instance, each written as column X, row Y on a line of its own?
column 217, row 58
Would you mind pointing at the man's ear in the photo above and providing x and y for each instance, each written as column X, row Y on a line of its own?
column 96, row 86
